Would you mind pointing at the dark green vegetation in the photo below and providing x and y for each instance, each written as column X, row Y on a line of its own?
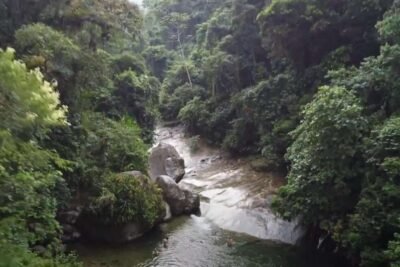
column 124, row 200
column 77, row 106
column 309, row 86
column 312, row 87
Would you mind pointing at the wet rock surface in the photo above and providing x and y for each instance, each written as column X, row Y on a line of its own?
column 180, row 200
column 165, row 160
column 233, row 195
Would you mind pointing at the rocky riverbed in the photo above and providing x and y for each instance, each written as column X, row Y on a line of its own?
column 236, row 226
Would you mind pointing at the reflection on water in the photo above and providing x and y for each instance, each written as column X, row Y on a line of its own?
column 195, row 242
column 235, row 210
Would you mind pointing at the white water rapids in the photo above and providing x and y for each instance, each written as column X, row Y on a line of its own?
column 234, row 197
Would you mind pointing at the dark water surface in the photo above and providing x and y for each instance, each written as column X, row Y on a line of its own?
column 195, row 242
column 235, row 210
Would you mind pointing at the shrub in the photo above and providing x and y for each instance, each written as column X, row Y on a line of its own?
column 28, row 102
column 194, row 115
column 110, row 146
column 126, row 198
column 171, row 106
column 13, row 256
column 125, row 62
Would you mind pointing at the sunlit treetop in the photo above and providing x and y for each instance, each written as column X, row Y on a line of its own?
column 27, row 99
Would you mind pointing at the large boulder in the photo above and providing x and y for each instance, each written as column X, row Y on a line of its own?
column 165, row 160
column 180, row 200
column 125, row 216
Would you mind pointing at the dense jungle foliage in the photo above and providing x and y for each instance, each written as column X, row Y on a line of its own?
column 311, row 87
column 77, row 107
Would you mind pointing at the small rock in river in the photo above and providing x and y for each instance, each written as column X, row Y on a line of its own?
column 230, row 242
column 165, row 242
column 204, row 160
column 215, row 158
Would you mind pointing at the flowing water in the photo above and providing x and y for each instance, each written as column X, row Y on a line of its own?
column 234, row 209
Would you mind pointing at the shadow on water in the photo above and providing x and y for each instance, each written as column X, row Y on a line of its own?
column 235, row 229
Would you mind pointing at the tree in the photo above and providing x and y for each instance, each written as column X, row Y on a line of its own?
column 95, row 23
column 306, row 31
column 176, row 22
column 90, row 51
column 29, row 173
column 374, row 224
column 325, row 160
column 28, row 102
column 55, row 54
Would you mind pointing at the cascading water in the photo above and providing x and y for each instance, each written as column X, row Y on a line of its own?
column 233, row 197
column 236, row 227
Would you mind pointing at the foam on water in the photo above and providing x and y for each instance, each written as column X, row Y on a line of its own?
column 229, row 190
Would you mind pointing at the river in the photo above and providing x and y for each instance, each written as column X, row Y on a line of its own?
column 234, row 209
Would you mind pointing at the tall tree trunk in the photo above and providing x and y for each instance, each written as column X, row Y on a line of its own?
column 184, row 59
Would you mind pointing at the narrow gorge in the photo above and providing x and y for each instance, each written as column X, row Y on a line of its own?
column 199, row 133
